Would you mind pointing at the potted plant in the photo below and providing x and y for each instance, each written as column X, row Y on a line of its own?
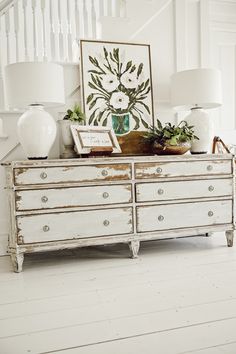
column 73, row 116
column 170, row 139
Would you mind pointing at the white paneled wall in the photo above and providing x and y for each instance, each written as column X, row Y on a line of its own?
column 183, row 34
column 223, row 56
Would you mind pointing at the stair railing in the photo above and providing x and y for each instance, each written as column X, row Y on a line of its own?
column 49, row 30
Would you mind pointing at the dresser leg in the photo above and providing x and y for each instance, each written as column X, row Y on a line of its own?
column 134, row 248
column 229, row 237
column 17, row 261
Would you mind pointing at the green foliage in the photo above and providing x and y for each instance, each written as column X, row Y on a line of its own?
column 75, row 115
column 170, row 134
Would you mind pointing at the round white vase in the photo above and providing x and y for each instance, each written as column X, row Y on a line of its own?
column 37, row 132
column 203, row 129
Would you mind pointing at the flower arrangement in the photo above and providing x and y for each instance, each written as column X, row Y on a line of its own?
column 118, row 88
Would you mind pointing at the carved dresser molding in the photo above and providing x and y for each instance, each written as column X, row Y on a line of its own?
column 58, row 204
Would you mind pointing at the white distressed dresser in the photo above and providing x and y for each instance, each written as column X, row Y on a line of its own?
column 57, row 204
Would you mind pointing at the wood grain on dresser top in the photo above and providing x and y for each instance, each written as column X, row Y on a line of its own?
column 59, row 204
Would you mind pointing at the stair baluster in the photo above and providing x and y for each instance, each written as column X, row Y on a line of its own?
column 43, row 9
column 69, row 33
column 7, row 31
column 52, row 32
column 26, row 50
column 16, row 28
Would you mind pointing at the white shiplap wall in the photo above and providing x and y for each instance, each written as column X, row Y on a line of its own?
column 183, row 34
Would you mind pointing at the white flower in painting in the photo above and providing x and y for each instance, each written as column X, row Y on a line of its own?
column 110, row 82
column 129, row 80
column 102, row 105
column 119, row 100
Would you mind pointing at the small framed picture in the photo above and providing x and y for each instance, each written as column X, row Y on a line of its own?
column 93, row 139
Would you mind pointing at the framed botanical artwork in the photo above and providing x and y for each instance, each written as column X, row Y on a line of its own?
column 90, row 139
column 117, row 85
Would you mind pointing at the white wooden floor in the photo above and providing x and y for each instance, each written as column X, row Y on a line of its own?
column 179, row 296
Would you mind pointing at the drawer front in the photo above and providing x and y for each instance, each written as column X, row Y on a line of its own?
column 108, row 172
column 182, row 168
column 71, row 197
column 74, row 225
column 172, row 216
column 183, row 189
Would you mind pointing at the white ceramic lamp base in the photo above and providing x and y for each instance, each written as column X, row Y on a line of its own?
column 37, row 132
column 203, row 129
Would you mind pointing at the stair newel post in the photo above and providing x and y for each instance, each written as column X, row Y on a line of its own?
column 43, row 8
column 35, row 42
column 85, row 18
column 16, row 28
column 93, row 20
column 69, row 32
column 26, row 50
column 52, row 31
column 61, row 37
column 7, row 31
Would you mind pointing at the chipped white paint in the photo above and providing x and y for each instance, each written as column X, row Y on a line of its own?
column 181, row 168
column 57, row 204
column 72, row 174
column 72, row 225
column 164, row 217
column 180, row 189
column 73, row 196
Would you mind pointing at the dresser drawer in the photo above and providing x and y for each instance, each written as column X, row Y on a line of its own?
column 183, row 189
column 182, row 168
column 173, row 216
column 72, row 197
column 67, row 174
column 74, row 225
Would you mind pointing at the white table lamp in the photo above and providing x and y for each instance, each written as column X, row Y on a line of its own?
column 36, row 85
column 197, row 90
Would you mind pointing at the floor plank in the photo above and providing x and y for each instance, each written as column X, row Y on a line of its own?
column 97, row 300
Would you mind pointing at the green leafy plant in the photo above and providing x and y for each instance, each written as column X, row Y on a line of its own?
column 170, row 134
column 75, row 115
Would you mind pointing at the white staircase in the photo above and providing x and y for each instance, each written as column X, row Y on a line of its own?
column 49, row 30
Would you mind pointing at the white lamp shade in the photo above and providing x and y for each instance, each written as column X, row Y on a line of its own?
column 197, row 87
column 34, row 83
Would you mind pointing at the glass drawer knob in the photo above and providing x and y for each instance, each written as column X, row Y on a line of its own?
column 159, row 170
column 160, row 217
column 46, row 228
column 43, row 175
column 210, row 188
column 210, row 213
column 160, row 191
column 209, row 168
column 104, row 173
column 44, row 199
column 106, row 222
column 105, row 195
